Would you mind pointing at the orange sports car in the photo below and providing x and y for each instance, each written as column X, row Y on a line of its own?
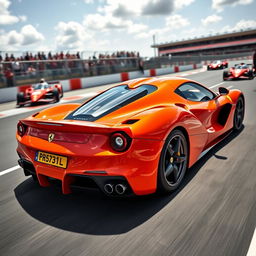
column 136, row 138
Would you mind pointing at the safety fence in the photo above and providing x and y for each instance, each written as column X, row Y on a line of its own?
column 16, row 73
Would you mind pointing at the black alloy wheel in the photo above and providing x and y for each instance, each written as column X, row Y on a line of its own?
column 173, row 162
column 239, row 115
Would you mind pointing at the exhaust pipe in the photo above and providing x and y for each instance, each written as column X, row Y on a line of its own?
column 120, row 189
column 109, row 188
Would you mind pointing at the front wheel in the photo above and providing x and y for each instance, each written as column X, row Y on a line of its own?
column 239, row 115
column 225, row 75
column 56, row 95
column 173, row 162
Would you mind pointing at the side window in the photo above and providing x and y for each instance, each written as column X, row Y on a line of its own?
column 194, row 92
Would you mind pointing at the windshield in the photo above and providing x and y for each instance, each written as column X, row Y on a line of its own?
column 37, row 86
column 110, row 101
column 241, row 66
column 40, row 86
column 216, row 62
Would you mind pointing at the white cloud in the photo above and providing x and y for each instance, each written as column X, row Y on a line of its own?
column 137, row 28
column 220, row 4
column 23, row 18
column 172, row 23
column 27, row 36
column 6, row 18
column 121, row 8
column 13, row 40
column 176, row 22
column 104, row 22
column 211, row 19
column 71, row 35
column 158, row 7
column 179, row 4
column 240, row 25
column 30, row 35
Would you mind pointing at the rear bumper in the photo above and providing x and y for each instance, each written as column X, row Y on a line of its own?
column 74, row 182
column 136, row 169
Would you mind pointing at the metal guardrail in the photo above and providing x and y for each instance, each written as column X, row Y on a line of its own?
column 29, row 72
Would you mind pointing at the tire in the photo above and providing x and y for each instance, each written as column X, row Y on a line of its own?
column 251, row 75
column 239, row 114
column 56, row 95
column 34, row 177
column 61, row 92
column 225, row 75
column 173, row 162
column 20, row 98
column 208, row 68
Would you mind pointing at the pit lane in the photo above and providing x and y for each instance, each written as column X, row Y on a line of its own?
column 213, row 213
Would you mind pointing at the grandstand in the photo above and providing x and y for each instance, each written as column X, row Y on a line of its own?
column 219, row 44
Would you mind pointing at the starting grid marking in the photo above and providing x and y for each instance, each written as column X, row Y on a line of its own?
column 17, row 111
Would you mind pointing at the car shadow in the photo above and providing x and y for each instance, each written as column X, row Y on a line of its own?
column 93, row 213
column 36, row 104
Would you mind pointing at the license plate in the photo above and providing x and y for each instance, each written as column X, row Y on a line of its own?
column 51, row 159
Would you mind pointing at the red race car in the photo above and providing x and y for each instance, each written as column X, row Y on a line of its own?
column 46, row 92
column 239, row 71
column 217, row 64
column 135, row 138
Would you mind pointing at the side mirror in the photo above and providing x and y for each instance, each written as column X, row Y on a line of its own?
column 223, row 91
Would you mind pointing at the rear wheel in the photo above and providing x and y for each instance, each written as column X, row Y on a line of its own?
column 20, row 98
column 251, row 75
column 61, row 92
column 239, row 115
column 173, row 162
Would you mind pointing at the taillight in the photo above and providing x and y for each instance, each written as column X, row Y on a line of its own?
column 21, row 129
column 120, row 141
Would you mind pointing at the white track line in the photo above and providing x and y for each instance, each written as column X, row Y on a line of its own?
column 9, row 170
column 252, row 248
column 229, row 87
column 213, row 86
column 17, row 111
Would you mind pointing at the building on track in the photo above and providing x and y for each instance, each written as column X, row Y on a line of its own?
column 219, row 44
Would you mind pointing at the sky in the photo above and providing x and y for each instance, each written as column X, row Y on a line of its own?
column 110, row 25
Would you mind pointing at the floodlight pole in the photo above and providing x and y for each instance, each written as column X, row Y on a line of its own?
column 154, row 43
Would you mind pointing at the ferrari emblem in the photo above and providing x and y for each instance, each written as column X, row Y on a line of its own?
column 50, row 137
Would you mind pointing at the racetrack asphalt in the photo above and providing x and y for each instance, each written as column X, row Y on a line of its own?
column 212, row 213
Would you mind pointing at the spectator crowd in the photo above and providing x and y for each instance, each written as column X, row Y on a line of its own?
column 32, row 65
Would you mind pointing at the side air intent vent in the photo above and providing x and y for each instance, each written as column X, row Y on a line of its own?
column 130, row 121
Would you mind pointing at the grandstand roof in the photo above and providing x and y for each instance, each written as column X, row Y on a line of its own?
column 205, row 39
column 210, row 46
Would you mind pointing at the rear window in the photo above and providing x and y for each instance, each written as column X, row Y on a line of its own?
column 109, row 101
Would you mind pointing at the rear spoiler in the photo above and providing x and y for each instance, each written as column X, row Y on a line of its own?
column 75, row 126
